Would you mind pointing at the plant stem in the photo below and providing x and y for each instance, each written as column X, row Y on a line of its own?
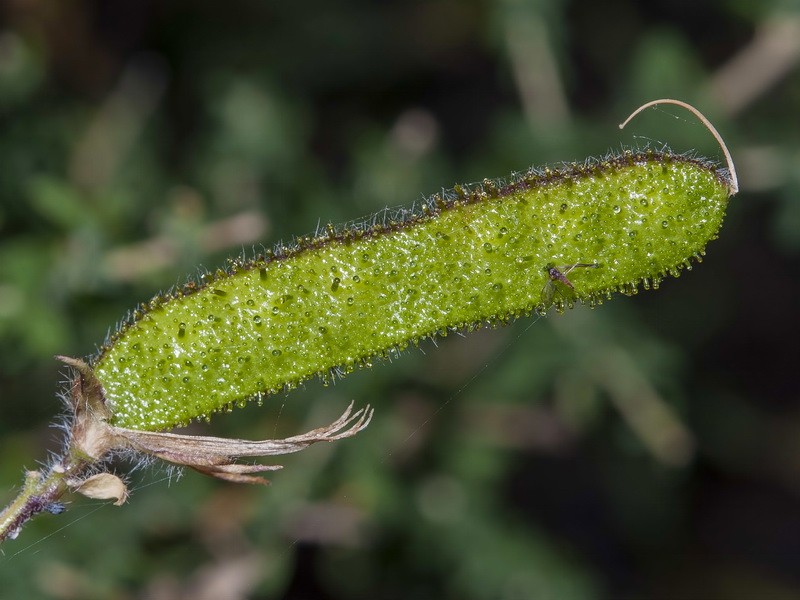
column 39, row 493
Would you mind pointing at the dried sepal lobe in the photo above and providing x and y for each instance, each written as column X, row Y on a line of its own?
column 345, row 295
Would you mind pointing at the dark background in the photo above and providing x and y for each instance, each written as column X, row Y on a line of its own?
column 647, row 449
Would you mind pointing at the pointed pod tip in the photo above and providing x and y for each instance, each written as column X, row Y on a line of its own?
column 733, row 181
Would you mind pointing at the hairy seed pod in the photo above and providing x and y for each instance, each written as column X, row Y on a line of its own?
column 483, row 254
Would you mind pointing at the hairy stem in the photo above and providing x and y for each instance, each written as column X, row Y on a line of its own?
column 85, row 446
column 40, row 493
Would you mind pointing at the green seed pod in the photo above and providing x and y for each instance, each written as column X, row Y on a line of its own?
column 468, row 257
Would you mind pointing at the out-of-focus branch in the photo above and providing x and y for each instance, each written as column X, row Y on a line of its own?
column 118, row 123
column 535, row 70
column 132, row 262
column 773, row 52
column 649, row 416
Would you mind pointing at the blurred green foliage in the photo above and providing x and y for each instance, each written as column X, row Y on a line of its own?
column 644, row 449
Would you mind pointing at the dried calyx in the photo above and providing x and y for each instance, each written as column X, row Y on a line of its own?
column 95, row 437
column 92, row 441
